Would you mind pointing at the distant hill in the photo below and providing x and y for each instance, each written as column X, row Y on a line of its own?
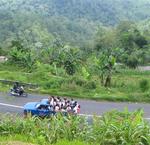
column 75, row 21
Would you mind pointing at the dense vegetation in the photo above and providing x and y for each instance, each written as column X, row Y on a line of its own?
column 77, row 48
column 126, row 85
column 37, row 22
column 115, row 128
column 80, row 48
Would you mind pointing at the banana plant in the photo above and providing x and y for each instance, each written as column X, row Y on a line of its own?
column 104, row 64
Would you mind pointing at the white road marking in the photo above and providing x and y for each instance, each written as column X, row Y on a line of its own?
column 21, row 107
column 9, row 105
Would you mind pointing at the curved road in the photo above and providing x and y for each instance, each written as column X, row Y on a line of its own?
column 14, row 105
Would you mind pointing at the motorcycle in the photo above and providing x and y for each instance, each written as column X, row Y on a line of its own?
column 17, row 93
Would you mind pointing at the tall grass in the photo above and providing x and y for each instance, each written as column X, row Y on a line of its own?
column 113, row 128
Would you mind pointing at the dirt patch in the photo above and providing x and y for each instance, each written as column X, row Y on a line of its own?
column 15, row 143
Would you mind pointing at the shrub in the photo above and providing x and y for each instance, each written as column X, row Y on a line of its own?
column 53, row 83
column 144, row 85
column 90, row 85
column 2, row 51
column 80, row 82
column 132, row 61
column 69, row 67
column 22, row 56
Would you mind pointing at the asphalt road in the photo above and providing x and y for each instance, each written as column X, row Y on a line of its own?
column 14, row 105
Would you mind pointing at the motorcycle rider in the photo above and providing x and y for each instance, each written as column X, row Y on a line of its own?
column 21, row 90
column 16, row 87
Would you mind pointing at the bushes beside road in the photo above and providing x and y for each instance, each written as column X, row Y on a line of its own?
column 115, row 128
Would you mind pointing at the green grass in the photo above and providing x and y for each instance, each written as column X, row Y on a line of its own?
column 20, row 139
column 24, row 140
column 125, row 84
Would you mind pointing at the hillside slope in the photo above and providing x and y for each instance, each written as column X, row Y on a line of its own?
column 75, row 21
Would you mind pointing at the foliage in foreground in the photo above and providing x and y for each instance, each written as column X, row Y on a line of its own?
column 113, row 128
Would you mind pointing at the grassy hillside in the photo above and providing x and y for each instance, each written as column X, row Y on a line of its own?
column 127, row 85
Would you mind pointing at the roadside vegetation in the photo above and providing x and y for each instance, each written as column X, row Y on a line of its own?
column 114, row 127
column 103, row 69
column 127, row 84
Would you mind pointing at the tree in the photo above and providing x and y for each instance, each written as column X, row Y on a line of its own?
column 106, row 53
column 139, row 39
column 132, row 43
column 21, row 56
column 132, row 61
column 104, row 65
column 61, row 55
column 70, row 59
